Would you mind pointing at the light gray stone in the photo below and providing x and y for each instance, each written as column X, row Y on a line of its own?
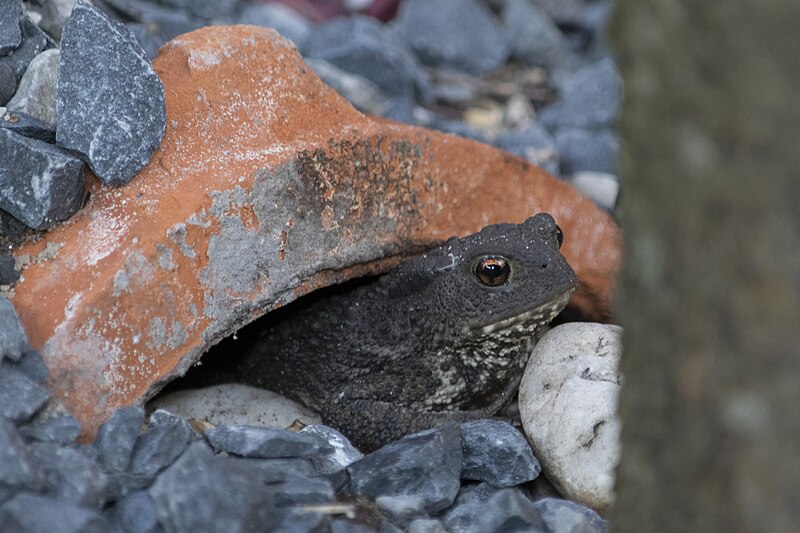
column 55, row 14
column 281, row 18
column 10, row 33
column 568, row 401
column 36, row 94
column 601, row 187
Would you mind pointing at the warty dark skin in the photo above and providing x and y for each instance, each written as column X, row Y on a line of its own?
column 442, row 338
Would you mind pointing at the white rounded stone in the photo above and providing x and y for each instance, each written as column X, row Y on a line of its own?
column 568, row 405
column 233, row 404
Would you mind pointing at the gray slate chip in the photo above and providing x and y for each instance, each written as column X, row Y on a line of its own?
column 20, row 396
column 34, row 41
column 426, row 525
column 159, row 446
column 8, row 272
column 401, row 510
column 36, row 94
column 10, row 33
column 61, row 429
column 590, row 98
column 115, row 438
column 281, row 18
column 462, row 35
column 71, row 475
column 32, row 365
column 17, row 468
column 535, row 144
column 255, row 441
column 299, row 490
column 535, row 39
column 35, row 513
column 580, row 149
column 569, row 517
column 201, row 488
column 110, row 101
column 149, row 41
column 164, row 22
column 506, row 511
column 361, row 45
column 13, row 341
column 135, row 513
column 497, row 453
column 28, row 126
column 331, row 463
column 40, row 184
column 8, row 83
column 426, row 464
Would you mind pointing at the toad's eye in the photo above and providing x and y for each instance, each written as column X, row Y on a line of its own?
column 492, row 270
column 559, row 236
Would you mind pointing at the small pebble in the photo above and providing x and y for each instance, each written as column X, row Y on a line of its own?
column 110, row 101
column 462, row 35
column 115, row 439
column 71, row 476
column 13, row 341
column 534, row 144
column 8, row 272
column 27, row 126
column 40, row 184
column 55, row 14
column 20, row 396
column 426, row 464
column 495, row 452
column 281, row 18
column 602, row 188
column 17, row 468
column 10, row 33
column 254, row 441
column 401, row 510
column 36, row 513
column 564, row 515
column 34, row 41
column 8, row 83
column 149, row 41
column 36, row 94
column 582, row 150
column 426, row 525
column 32, row 365
column 535, row 38
column 134, row 513
column 159, row 446
column 61, row 429
column 504, row 511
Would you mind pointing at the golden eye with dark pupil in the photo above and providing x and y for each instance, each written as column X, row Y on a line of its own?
column 559, row 236
column 493, row 271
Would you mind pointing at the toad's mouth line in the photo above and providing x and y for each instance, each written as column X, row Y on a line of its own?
column 538, row 315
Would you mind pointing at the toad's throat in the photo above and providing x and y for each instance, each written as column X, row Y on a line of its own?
column 536, row 317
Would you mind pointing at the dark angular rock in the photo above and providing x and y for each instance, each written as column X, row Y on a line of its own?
column 40, row 184
column 535, row 39
column 535, row 144
column 456, row 34
column 32, row 365
column 590, row 98
column 255, row 441
column 580, row 149
column 426, row 464
column 563, row 515
column 506, row 511
column 8, row 273
column 20, row 396
column 28, row 126
column 361, row 45
column 162, row 21
column 284, row 20
column 135, row 513
column 426, row 525
column 341, row 525
column 340, row 455
column 10, row 33
column 149, row 41
column 17, row 469
column 61, row 429
column 159, row 446
column 34, row 41
column 11, row 226
column 401, row 510
column 70, row 475
column 115, row 439
column 300, row 490
column 110, row 101
column 35, row 513
column 8, row 83
column 201, row 489
column 13, row 341
column 497, row 453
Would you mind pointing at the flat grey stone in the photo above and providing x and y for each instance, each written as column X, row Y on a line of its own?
column 110, row 101
column 115, row 439
column 55, row 14
column 61, row 429
column 70, row 475
column 134, row 513
column 462, row 35
column 497, row 453
column 201, row 488
column 8, row 273
column 40, row 184
column 17, row 467
column 13, row 341
column 28, row 126
column 8, row 83
column 35, row 513
column 255, row 441
column 506, row 511
column 32, row 365
column 164, row 22
column 426, row 464
column 36, row 94
column 361, row 45
column 580, row 150
column 401, row 510
column 535, row 38
column 20, row 396
column 34, row 41
column 564, row 515
column 159, row 446
column 10, row 33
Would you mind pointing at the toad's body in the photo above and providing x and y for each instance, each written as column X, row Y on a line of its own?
column 444, row 337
